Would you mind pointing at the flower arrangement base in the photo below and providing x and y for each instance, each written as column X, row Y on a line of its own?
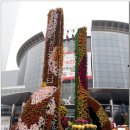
column 83, row 127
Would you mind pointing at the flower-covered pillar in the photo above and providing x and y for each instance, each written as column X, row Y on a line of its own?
column 83, row 101
column 54, row 60
column 42, row 110
column 81, row 88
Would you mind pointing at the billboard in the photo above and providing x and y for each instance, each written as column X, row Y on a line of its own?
column 69, row 66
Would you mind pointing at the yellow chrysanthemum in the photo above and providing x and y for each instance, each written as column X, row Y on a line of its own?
column 63, row 110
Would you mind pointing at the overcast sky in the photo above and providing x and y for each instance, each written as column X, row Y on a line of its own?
column 32, row 19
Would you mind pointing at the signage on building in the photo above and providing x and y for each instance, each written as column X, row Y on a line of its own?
column 69, row 66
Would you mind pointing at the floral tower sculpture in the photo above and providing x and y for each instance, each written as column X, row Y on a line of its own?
column 42, row 110
column 83, row 101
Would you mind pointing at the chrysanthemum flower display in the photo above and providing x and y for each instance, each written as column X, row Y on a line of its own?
column 63, row 110
column 81, row 121
column 42, row 110
column 105, row 124
column 81, row 92
column 84, row 127
column 82, row 99
column 53, row 60
column 64, row 119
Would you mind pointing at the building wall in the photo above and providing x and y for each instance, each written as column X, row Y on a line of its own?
column 9, row 78
column 9, row 82
column 110, row 52
column 31, row 68
column 22, row 69
column 9, row 11
column 34, row 67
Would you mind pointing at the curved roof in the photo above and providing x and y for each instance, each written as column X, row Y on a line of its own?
column 28, row 44
column 112, row 26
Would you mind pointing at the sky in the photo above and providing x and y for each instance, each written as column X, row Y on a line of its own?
column 32, row 19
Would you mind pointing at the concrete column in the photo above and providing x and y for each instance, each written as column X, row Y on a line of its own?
column 23, row 104
column 12, row 114
column 112, row 111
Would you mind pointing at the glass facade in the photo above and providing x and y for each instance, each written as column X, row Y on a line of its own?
column 110, row 52
column 22, row 69
column 68, row 90
column 68, row 86
column 31, row 67
column 34, row 67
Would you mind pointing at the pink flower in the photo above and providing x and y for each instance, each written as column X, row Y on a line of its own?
column 22, row 126
column 19, row 120
column 41, row 121
column 34, row 127
column 42, row 94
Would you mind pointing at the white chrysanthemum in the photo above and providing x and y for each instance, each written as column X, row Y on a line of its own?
column 51, row 107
